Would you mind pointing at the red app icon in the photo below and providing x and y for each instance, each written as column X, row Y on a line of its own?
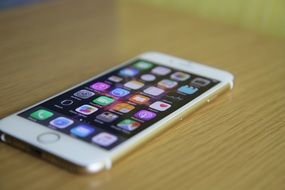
column 160, row 106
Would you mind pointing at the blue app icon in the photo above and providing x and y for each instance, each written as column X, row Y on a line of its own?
column 119, row 92
column 187, row 89
column 61, row 122
column 82, row 130
column 128, row 72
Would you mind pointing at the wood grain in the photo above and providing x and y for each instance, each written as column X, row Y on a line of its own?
column 235, row 142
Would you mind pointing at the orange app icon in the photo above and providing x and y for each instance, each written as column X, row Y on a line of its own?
column 123, row 107
column 139, row 99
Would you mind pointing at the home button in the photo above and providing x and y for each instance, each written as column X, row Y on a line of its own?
column 48, row 138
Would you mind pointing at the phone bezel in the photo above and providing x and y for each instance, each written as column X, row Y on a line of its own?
column 94, row 159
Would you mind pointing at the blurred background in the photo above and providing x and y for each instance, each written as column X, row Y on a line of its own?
column 266, row 16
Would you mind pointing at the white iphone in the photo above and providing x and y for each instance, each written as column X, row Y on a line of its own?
column 90, row 126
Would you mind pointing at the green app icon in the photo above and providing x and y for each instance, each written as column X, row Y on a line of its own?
column 103, row 100
column 142, row 65
column 41, row 114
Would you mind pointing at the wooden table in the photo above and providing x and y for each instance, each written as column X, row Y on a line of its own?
column 235, row 142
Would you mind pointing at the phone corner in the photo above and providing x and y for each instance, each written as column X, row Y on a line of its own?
column 230, row 78
column 96, row 167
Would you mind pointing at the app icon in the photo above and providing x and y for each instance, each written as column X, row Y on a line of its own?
column 139, row 99
column 135, row 85
column 82, row 130
column 61, row 122
column 142, row 65
column 41, row 114
column 187, row 89
column 100, row 86
column 107, row 117
column 200, row 82
column 66, row 102
column 86, row 109
column 104, row 139
column 123, row 107
column 174, row 97
column 145, row 115
column 128, row 124
column 103, row 100
column 115, row 78
column 148, row 77
column 153, row 91
column 160, row 106
column 180, row 76
column 84, row 94
column 119, row 92
column 128, row 72
column 165, row 83
column 161, row 70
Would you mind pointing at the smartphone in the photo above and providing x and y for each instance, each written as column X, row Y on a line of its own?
column 91, row 125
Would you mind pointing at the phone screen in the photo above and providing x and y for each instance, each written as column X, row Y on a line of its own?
column 112, row 108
